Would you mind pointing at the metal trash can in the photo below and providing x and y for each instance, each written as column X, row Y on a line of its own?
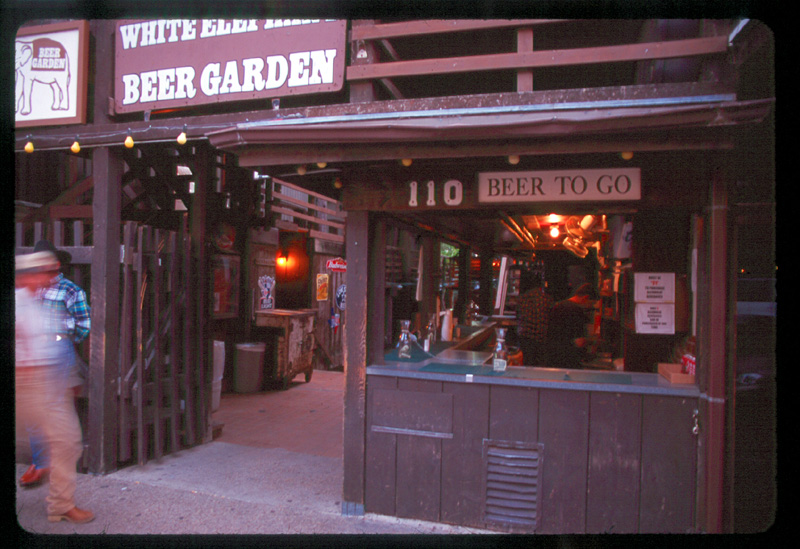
column 248, row 372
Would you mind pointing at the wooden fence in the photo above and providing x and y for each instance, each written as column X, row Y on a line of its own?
column 163, row 394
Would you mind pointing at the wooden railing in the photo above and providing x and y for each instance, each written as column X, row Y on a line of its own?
column 368, row 38
column 55, row 230
column 299, row 208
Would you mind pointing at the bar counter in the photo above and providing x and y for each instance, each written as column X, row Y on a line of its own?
column 530, row 449
column 456, row 361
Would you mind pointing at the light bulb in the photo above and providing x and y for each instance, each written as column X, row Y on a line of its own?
column 181, row 138
column 129, row 142
column 513, row 159
column 627, row 155
column 337, row 183
column 321, row 164
column 29, row 147
column 76, row 147
column 406, row 162
column 301, row 170
column 554, row 232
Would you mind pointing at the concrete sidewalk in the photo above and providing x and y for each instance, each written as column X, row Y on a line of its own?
column 219, row 488
column 276, row 468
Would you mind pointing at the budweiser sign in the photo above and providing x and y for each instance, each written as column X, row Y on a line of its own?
column 337, row 265
column 169, row 63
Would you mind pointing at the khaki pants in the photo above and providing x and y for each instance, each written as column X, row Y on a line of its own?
column 43, row 400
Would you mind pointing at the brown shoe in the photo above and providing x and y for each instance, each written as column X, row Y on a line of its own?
column 33, row 476
column 78, row 516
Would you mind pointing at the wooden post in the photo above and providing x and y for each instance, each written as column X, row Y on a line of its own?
column 712, row 364
column 202, row 344
column 103, row 379
column 524, row 44
column 362, row 53
column 355, row 361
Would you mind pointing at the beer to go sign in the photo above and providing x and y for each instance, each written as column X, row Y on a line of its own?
column 169, row 63
column 559, row 186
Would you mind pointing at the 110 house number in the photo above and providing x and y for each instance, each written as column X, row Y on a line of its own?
column 452, row 193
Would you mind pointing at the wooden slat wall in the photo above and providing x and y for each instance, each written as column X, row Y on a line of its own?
column 612, row 463
column 302, row 208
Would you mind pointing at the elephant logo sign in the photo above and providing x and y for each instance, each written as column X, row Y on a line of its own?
column 40, row 61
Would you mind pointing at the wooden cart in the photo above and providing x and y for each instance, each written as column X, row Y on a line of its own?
column 294, row 342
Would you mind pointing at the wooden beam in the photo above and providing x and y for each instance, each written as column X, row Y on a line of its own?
column 437, row 26
column 355, row 362
column 545, row 58
column 663, row 141
column 104, row 375
column 71, row 212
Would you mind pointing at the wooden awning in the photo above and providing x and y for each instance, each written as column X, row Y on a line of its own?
column 384, row 135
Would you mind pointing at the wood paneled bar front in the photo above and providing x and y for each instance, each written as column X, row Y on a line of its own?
column 615, row 452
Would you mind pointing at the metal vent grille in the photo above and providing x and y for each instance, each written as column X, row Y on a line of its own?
column 512, row 483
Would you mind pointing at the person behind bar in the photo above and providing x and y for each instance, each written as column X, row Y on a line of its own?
column 566, row 330
column 533, row 312
column 42, row 396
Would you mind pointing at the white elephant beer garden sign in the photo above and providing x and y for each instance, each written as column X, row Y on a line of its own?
column 50, row 74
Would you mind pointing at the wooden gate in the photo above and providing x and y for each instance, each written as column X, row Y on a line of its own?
column 162, row 395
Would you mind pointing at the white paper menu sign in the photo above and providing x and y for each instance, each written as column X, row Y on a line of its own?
column 654, row 287
column 654, row 295
column 655, row 318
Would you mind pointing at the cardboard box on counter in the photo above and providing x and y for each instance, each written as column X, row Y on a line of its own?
column 673, row 374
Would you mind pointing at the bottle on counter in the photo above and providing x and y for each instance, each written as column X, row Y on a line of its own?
column 430, row 334
column 500, row 355
column 404, row 344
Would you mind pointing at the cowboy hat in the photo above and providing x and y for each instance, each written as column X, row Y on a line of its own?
column 45, row 246
column 37, row 262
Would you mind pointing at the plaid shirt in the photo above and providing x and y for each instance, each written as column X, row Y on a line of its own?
column 533, row 309
column 66, row 309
